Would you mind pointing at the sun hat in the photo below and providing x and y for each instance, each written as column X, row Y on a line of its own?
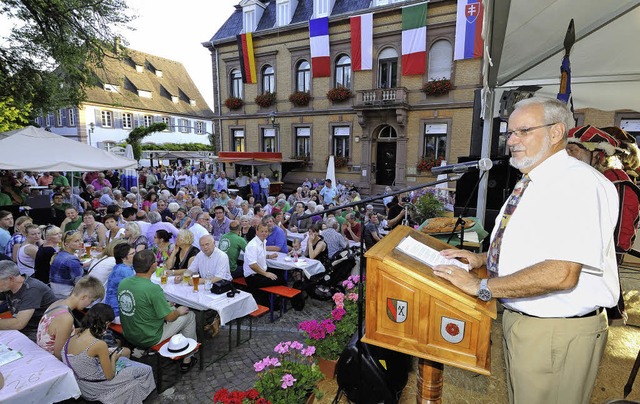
column 592, row 138
column 178, row 345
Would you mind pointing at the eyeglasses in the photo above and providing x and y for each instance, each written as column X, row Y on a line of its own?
column 525, row 131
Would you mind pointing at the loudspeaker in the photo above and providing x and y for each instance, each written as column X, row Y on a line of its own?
column 368, row 374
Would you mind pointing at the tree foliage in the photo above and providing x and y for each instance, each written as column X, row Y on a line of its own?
column 45, row 58
column 137, row 134
column 11, row 116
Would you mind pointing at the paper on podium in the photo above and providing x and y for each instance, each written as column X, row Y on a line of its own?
column 426, row 254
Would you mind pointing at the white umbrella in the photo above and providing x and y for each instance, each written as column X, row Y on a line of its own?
column 130, row 176
column 331, row 170
column 35, row 149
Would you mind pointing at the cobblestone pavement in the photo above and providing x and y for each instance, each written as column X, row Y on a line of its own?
column 235, row 370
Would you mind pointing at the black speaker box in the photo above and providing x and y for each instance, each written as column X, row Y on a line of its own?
column 368, row 374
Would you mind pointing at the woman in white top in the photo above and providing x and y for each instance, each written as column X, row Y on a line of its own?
column 101, row 266
column 113, row 230
column 29, row 249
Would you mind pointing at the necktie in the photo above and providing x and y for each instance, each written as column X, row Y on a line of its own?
column 493, row 255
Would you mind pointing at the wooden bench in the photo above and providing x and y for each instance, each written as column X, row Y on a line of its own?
column 284, row 292
column 240, row 282
column 259, row 312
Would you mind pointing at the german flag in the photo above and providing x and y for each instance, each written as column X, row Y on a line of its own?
column 247, row 60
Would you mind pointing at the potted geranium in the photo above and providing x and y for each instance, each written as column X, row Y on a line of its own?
column 339, row 93
column 300, row 98
column 437, row 87
column 266, row 100
column 234, row 103
column 291, row 377
column 331, row 335
column 339, row 161
column 251, row 396
column 426, row 164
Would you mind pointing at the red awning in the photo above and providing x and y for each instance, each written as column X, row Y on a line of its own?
column 252, row 158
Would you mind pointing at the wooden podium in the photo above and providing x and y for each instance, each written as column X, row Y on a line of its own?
column 410, row 310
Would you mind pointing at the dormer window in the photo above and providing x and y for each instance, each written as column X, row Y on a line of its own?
column 175, row 99
column 192, row 102
column 251, row 14
column 159, row 73
column 322, row 8
column 139, row 68
column 112, row 88
column 144, row 94
column 284, row 11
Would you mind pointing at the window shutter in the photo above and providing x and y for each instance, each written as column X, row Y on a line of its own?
column 172, row 128
column 63, row 113
column 136, row 120
column 157, row 118
column 98, row 118
column 117, row 119
column 440, row 60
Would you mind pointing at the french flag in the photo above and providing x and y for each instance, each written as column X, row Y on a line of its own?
column 469, row 42
column 362, row 42
column 319, row 42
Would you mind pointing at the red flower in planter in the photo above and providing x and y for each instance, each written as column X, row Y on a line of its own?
column 437, row 87
column 339, row 93
column 234, row 103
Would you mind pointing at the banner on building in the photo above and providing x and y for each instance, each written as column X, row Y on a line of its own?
column 362, row 42
column 414, row 39
column 247, row 59
column 469, row 42
column 319, row 43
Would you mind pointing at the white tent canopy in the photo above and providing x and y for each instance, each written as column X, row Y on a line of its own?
column 35, row 149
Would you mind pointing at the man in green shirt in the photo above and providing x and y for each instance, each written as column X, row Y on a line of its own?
column 231, row 244
column 5, row 200
column 59, row 180
column 146, row 316
column 73, row 220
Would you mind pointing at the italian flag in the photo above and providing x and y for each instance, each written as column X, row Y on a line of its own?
column 414, row 39
column 362, row 42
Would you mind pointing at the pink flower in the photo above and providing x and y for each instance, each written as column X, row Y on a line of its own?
column 296, row 345
column 287, row 380
column 348, row 284
column 259, row 366
column 273, row 361
column 353, row 297
column 309, row 351
column 281, row 349
column 338, row 313
column 338, row 298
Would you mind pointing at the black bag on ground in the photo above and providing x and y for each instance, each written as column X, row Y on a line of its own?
column 220, row 287
column 373, row 382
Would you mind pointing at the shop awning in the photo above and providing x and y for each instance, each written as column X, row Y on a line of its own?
column 252, row 158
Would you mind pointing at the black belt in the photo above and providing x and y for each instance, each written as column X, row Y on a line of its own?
column 590, row 314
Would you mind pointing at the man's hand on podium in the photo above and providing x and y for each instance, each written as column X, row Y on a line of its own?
column 468, row 282
column 474, row 260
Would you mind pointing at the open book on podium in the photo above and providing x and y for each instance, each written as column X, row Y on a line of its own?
column 410, row 310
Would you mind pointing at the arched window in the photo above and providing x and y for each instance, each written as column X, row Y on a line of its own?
column 387, row 132
column 388, row 68
column 268, row 79
column 303, row 76
column 343, row 71
column 440, row 60
column 236, row 83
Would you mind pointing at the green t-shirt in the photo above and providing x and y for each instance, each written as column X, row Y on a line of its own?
column 231, row 244
column 341, row 220
column 143, row 308
column 5, row 200
column 73, row 225
column 61, row 180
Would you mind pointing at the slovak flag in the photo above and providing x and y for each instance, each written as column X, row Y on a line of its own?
column 319, row 43
column 469, row 42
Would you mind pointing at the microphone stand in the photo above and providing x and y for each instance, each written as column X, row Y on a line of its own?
column 461, row 222
column 361, row 266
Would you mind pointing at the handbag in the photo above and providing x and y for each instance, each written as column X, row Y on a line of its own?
column 220, row 287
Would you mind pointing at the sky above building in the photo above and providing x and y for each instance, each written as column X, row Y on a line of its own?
column 176, row 29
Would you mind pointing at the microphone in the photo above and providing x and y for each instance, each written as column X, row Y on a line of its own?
column 482, row 165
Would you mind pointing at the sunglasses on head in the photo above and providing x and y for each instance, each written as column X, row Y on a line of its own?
column 68, row 234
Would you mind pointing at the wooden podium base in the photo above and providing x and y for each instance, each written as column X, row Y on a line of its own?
column 429, row 382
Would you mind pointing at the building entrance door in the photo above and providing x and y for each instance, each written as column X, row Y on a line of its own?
column 386, row 163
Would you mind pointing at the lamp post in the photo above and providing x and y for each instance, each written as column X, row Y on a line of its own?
column 276, row 126
column 92, row 127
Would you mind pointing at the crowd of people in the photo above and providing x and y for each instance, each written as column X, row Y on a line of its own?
column 187, row 222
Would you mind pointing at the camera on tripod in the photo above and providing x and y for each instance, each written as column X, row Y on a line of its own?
column 406, row 199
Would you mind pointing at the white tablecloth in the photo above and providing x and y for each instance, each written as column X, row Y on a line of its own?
column 38, row 377
column 293, row 235
column 309, row 266
column 229, row 308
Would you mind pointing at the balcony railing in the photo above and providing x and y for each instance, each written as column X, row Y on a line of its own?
column 381, row 96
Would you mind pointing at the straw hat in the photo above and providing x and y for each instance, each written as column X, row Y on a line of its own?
column 178, row 345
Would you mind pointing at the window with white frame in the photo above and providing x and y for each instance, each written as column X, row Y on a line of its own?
column 71, row 117
column 108, row 145
column 440, row 60
column 340, row 141
column 238, row 140
column 236, row 83
column 283, row 14
column 148, row 120
column 106, row 119
column 343, row 71
column 322, row 8
column 249, row 21
column 268, row 79
column 303, row 76
column 435, row 141
column 59, row 116
column 303, row 142
column 199, row 127
column 184, row 125
column 167, row 121
column 388, row 68
column 127, row 120
column 269, row 140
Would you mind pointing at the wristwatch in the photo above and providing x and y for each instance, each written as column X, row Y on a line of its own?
column 484, row 293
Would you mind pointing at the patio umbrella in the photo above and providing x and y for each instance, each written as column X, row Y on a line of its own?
column 130, row 176
column 331, row 170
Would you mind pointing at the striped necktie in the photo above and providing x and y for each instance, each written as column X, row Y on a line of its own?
column 493, row 255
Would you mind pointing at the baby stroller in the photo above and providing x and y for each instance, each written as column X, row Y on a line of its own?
column 323, row 286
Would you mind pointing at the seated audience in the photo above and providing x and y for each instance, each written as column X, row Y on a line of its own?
column 211, row 263
column 123, row 254
column 28, row 298
column 94, row 233
column 102, row 266
column 66, row 268
column 73, row 219
column 57, row 323
column 157, row 224
column 133, row 236
column 316, row 247
column 162, row 246
column 27, row 252
column 255, row 268
column 232, row 244
column 19, row 236
column 183, row 253
column 42, row 264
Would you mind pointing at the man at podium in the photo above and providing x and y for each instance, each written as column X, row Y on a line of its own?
column 551, row 261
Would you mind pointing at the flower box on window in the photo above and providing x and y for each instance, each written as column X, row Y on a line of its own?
column 339, row 161
column 266, row 100
column 338, row 94
column 234, row 103
column 437, row 87
column 306, row 159
column 426, row 164
column 300, row 98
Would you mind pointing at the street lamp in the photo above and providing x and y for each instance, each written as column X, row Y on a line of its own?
column 276, row 127
column 92, row 127
column 272, row 118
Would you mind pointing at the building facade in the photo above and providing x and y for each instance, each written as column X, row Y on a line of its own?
column 135, row 89
column 382, row 130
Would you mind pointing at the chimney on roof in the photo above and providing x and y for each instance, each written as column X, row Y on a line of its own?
column 116, row 46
